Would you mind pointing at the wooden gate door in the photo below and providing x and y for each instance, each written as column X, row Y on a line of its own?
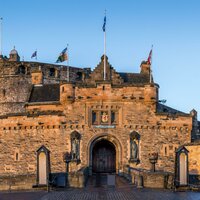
column 104, row 157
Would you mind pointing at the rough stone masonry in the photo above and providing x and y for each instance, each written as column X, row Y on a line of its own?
column 50, row 110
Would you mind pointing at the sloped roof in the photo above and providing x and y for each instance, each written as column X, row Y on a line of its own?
column 168, row 110
column 45, row 93
column 135, row 78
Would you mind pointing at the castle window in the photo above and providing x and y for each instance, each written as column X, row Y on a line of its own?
column 21, row 69
column 113, row 117
column 79, row 76
column 17, row 157
column 4, row 92
column 94, row 117
column 165, row 151
column 52, row 72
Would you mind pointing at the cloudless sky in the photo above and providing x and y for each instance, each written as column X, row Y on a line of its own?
column 172, row 26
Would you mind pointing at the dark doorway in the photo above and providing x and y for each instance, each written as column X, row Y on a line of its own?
column 103, row 157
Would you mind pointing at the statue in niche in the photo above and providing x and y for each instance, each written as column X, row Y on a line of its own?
column 75, row 149
column 134, row 150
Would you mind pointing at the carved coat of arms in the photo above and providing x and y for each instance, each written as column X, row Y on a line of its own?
column 104, row 117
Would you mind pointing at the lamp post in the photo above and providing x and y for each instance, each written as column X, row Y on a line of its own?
column 153, row 158
column 67, row 157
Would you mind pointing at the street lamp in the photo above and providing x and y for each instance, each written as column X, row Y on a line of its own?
column 153, row 158
column 67, row 157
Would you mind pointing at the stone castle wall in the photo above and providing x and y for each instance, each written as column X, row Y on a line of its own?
column 136, row 111
column 194, row 158
column 15, row 82
column 26, row 126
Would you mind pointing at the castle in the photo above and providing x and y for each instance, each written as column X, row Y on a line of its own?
column 57, row 120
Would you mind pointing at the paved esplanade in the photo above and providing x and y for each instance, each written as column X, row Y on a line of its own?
column 122, row 191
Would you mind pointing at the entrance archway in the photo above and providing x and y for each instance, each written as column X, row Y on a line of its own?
column 103, row 157
column 110, row 141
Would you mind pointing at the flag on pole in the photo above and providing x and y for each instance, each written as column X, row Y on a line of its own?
column 34, row 54
column 63, row 56
column 149, row 57
column 104, row 24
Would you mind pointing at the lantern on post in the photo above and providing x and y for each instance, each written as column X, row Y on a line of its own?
column 153, row 158
column 67, row 157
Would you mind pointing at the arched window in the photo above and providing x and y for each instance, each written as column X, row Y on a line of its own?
column 75, row 145
column 134, row 146
column 43, row 166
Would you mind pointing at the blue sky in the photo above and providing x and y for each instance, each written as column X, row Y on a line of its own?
column 172, row 26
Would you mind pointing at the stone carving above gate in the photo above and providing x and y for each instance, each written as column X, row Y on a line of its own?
column 104, row 115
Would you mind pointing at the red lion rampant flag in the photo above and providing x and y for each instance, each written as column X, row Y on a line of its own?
column 149, row 57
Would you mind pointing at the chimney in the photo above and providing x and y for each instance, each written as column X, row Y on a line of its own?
column 67, row 93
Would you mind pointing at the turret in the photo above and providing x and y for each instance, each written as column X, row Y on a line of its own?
column 14, row 56
column 67, row 93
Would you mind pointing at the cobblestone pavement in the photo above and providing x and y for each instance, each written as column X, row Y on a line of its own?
column 29, row 195
column 122, row 191
column 112, row 194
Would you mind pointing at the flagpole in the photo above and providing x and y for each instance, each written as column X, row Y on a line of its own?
column 151, row 64
column 68, row 54
column 68, row 62
column 105, row 51
column 1, row 31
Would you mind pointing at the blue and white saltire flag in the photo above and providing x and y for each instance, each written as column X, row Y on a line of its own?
column 64, row 50
column 34, row 54
column 104, row 24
